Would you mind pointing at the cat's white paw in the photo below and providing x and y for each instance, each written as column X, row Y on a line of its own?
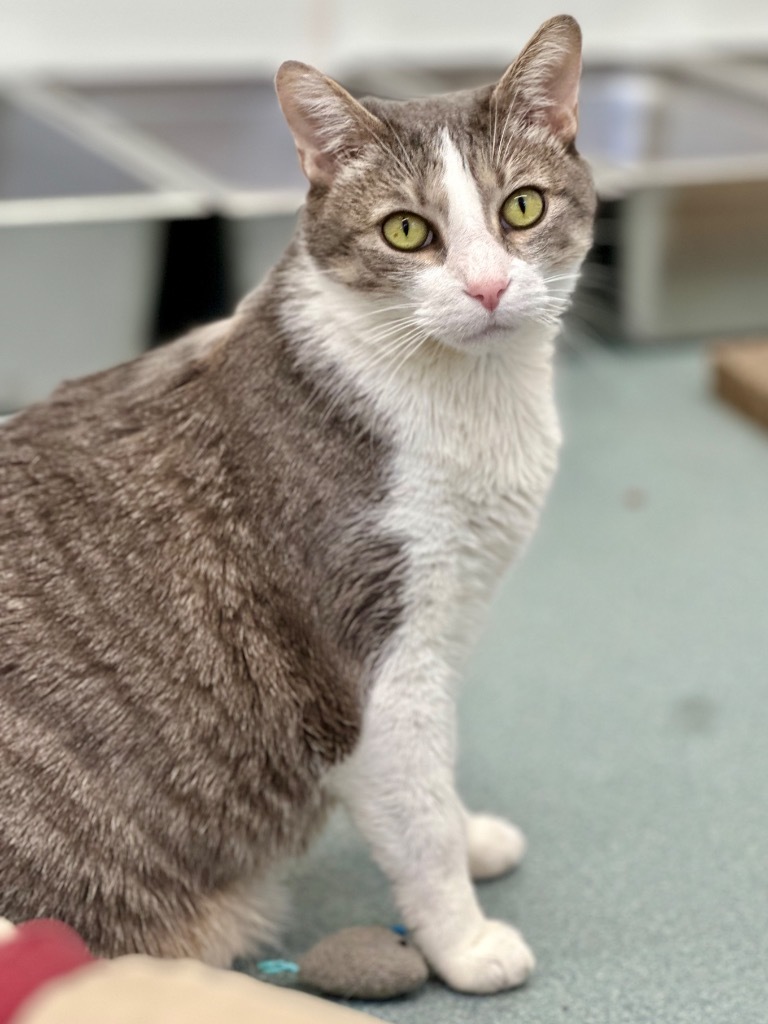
column 493, row 959
column 495, row 846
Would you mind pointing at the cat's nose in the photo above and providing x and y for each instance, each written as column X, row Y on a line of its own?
column 487, row 292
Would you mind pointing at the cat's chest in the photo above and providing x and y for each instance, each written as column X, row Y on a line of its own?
column 468, row 508
column 470, row 473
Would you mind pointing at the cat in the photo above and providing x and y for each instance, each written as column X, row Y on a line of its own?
column 239, row 575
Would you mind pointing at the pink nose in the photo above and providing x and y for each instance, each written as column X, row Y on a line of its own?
column 487, row 292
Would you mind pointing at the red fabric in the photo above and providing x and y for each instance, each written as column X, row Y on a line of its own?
column 39, row 951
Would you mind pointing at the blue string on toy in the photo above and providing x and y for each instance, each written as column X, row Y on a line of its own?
column 277, row 967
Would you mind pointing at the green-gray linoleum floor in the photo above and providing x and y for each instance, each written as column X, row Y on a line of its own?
column 617, row 709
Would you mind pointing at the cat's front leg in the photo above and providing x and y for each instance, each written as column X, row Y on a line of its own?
column 494, row 845
column 399, row 789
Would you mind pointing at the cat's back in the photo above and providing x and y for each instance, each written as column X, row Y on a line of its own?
column 106, row 402
column 85, row 483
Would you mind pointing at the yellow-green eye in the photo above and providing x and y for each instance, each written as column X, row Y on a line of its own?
column 523, row 208
column 406, row 231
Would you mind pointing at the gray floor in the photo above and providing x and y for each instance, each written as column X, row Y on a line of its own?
column 617, row 710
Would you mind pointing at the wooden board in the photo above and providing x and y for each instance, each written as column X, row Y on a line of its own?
column 741, row 376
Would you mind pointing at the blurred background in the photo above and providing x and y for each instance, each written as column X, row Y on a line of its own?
column 47, row 35
column 147, row 180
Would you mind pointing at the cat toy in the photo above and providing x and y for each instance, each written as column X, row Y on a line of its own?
column 364, row 962
column 49, row 976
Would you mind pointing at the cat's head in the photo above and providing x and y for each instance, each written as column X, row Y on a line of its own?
column 470, row 213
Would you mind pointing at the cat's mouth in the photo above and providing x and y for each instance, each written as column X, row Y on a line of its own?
column 490, row 332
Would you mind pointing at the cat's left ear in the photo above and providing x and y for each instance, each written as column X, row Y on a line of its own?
column 328, row 125
column 542, row 85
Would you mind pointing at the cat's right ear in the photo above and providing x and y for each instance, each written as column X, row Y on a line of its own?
column 328, row 125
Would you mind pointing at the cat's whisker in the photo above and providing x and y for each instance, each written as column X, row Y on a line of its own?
column 386, row 355
column 571, row 276
column 394, row 333
column 416, row 341
column 389, row 334
column 382, row 358
column 395, row 321
column 597, row 276
column 404, row 170
column 403, row 149
column 495, row 139
column 553, row 294
column 406, row 167
column 379, row 356
column 376, row 317
column 499, row 136
column 381, row 349
column 552, row 308
column 585, row 318
column 506, row 137
column 578, row 335
column 589, row 303
column 583, row 337
column 384, row 344
column 555, row 308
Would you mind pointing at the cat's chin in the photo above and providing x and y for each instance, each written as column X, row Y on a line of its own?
column 492, row 337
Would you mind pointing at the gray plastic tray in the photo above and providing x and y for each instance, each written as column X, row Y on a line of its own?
column 745, row 73
column 226, row 135
column 682, row 237
column 80, row 246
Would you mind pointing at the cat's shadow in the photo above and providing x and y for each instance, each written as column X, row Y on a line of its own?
column 334, row 886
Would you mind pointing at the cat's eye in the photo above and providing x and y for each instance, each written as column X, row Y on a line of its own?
column 406, row 231
column 523, row 208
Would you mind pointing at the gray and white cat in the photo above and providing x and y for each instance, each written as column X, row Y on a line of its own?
column 239, row 576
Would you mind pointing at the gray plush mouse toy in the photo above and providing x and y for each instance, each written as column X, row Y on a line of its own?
column 369, row 962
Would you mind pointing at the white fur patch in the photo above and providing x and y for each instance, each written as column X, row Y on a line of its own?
column 473, row 253
column 475, row 440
